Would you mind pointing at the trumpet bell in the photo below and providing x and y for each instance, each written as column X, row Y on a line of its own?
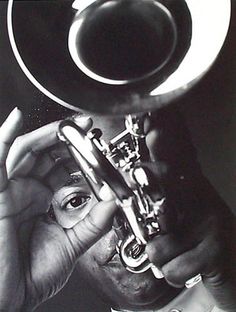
column 122, row 42
column 116, row 56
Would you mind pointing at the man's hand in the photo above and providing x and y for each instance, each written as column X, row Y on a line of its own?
column 203, row 238
column 37, row 255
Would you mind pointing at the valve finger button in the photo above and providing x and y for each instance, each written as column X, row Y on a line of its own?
column 139, row 176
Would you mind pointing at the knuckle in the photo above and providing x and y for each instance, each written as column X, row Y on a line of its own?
column 214, row 251
column 152, row 253
column 90, row 232
column 172, row 276
column 81, row 246
column 4, row 143
column 18, row 140
column 91, row 225
column 161, row 249
column 78, row 245
column 155, row 252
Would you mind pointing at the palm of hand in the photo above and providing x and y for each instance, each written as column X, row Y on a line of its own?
column 45, row 255
column 37, row 255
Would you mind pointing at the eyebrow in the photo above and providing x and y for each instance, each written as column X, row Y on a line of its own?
column 74, row 178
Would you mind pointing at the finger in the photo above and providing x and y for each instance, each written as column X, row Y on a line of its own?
column 197, row 260
column 35, row 202
column 24, row 198
column 44, row 163
column 183, row 208
column 92, row 227
column 178, row 271
column 27, row 148
column 161, row 184
column 58, row 154
column 8, row 132
column 164, row 248
column 168, row 140
column 163, row 130
column 151, row 177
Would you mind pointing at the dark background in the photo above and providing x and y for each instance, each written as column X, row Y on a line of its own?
column 210, row 113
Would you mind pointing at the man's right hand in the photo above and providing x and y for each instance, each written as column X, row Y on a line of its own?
column 37, row 255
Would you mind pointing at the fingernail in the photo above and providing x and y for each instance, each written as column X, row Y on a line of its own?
column 13, row 120
column 157, row 272
column 14, row 111
column 14, row 114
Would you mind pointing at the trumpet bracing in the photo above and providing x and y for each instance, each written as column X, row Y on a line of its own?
column 140, row 218
column 125, row 57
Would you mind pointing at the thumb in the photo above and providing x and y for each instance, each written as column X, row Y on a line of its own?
column 86, row 232
column 168, row 141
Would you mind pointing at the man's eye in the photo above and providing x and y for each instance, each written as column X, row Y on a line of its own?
column 76, row 201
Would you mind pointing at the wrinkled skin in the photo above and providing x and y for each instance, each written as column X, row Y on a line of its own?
column 37, row 254
column 39, row 262
column 197, row 242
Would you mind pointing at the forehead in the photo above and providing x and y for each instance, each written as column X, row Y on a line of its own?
column 61, row 176
column 57, row 168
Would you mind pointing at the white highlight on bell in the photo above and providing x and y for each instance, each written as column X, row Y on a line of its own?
column 80, row 5
column 209, row 32
column 208, row 35
column 24, row 67
column 72, row 46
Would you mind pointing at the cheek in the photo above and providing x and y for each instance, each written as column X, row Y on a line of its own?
column 88, row 266
column 68, row 219
column 101, row 250
column 94, row 259
column 116, row 286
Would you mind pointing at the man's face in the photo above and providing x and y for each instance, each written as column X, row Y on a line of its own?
column 101, row 264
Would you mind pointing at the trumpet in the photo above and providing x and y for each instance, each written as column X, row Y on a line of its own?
column 105, row 164
column 116, row 165
column 126, row 57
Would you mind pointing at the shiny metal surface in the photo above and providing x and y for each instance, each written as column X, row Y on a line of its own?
column 45, row 57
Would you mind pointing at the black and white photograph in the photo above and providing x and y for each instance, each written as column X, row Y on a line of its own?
column 117, row 156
